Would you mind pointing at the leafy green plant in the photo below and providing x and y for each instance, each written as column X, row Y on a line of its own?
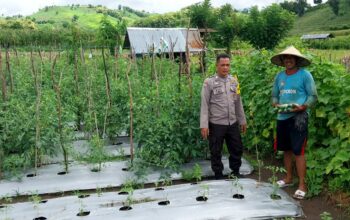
column 326, row 216
column 96, row 153
column 35, row 199
column 273, row 179
column 235, row 185
column 99, row 191
column 128, row 187
column 194, row 174
column 204, row 191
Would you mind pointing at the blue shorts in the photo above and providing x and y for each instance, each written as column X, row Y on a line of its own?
column 291, row 135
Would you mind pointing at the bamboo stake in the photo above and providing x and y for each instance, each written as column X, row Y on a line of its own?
column 131, row 114
column 188, row 67
column 77, row 91
column 57, row 89
column 108, row 87
column 108, row 92
column 91, row 101
column 37, row 112
column 180, row 72
column 155, row 75
column 9, row 70
column 16, row 54
column 115, row 63
column 3, row 79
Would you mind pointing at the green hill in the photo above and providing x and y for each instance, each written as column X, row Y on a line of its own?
column 322, row 19
column 87, row 17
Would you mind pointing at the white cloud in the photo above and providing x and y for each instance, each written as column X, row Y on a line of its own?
column 27, row 7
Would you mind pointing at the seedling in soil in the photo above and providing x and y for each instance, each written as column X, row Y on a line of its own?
column 157, row 188
column 97, row 153
column 35, row 199
column 128, row 188
column 98, row 191
column 236, row 187
column 166, row 201
column 203, row 192
column 194, row 174
column 82, row 211
column 197, row 173
column 273, row 180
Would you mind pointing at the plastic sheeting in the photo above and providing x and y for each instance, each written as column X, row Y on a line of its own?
column 121, row 147
column 81, row 177
column 220, row 205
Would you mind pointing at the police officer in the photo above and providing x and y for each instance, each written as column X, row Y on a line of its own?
column 222, row 117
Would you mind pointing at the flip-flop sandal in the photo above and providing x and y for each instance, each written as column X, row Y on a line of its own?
column 282, row 184
column 299, row 194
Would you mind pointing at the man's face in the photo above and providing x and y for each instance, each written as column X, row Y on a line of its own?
column 223, row 67
column 289, row 61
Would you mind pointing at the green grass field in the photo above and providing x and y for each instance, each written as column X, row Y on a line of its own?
column 323, row 20
column 87, row 17
column 331, row 55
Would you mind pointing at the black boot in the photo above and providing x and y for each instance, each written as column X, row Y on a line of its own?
column 219, row 176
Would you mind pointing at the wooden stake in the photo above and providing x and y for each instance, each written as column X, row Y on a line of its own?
column 9, row 70
column 108, row 87
column 57, row 89
column 3, row 79
column 131, row 114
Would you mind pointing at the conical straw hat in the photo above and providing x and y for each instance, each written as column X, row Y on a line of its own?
column 301, row 61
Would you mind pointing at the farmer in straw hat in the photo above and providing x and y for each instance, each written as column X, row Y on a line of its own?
column 293, row 93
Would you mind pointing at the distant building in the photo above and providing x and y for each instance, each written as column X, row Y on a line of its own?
column 316, row 36
column 162, row 40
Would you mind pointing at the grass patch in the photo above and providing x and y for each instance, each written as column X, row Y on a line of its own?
column 322, row 20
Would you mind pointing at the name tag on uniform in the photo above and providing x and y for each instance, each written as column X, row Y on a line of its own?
column 218, row 90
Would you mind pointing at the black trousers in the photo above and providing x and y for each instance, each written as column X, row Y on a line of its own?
column 231, row 134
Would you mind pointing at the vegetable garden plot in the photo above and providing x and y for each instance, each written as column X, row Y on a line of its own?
column 81, row 148
column 182, row 204
column 81, row 177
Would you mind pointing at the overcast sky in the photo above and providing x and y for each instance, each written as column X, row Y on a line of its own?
column 27, row 7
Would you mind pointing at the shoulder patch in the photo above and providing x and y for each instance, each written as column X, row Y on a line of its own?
column 238, row 90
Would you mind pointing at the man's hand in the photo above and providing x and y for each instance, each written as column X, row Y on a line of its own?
column 244, row 128
column 299, row 108
column 205, row 133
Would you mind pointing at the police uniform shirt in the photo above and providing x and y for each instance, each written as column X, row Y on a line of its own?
column 221, row 102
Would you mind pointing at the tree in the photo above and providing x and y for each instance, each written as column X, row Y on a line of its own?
column 229, row 26
column 334, row 5
column 317, row 2
column 109, row 35
column 202, row 15
column 298, row 7
column 265, row 29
